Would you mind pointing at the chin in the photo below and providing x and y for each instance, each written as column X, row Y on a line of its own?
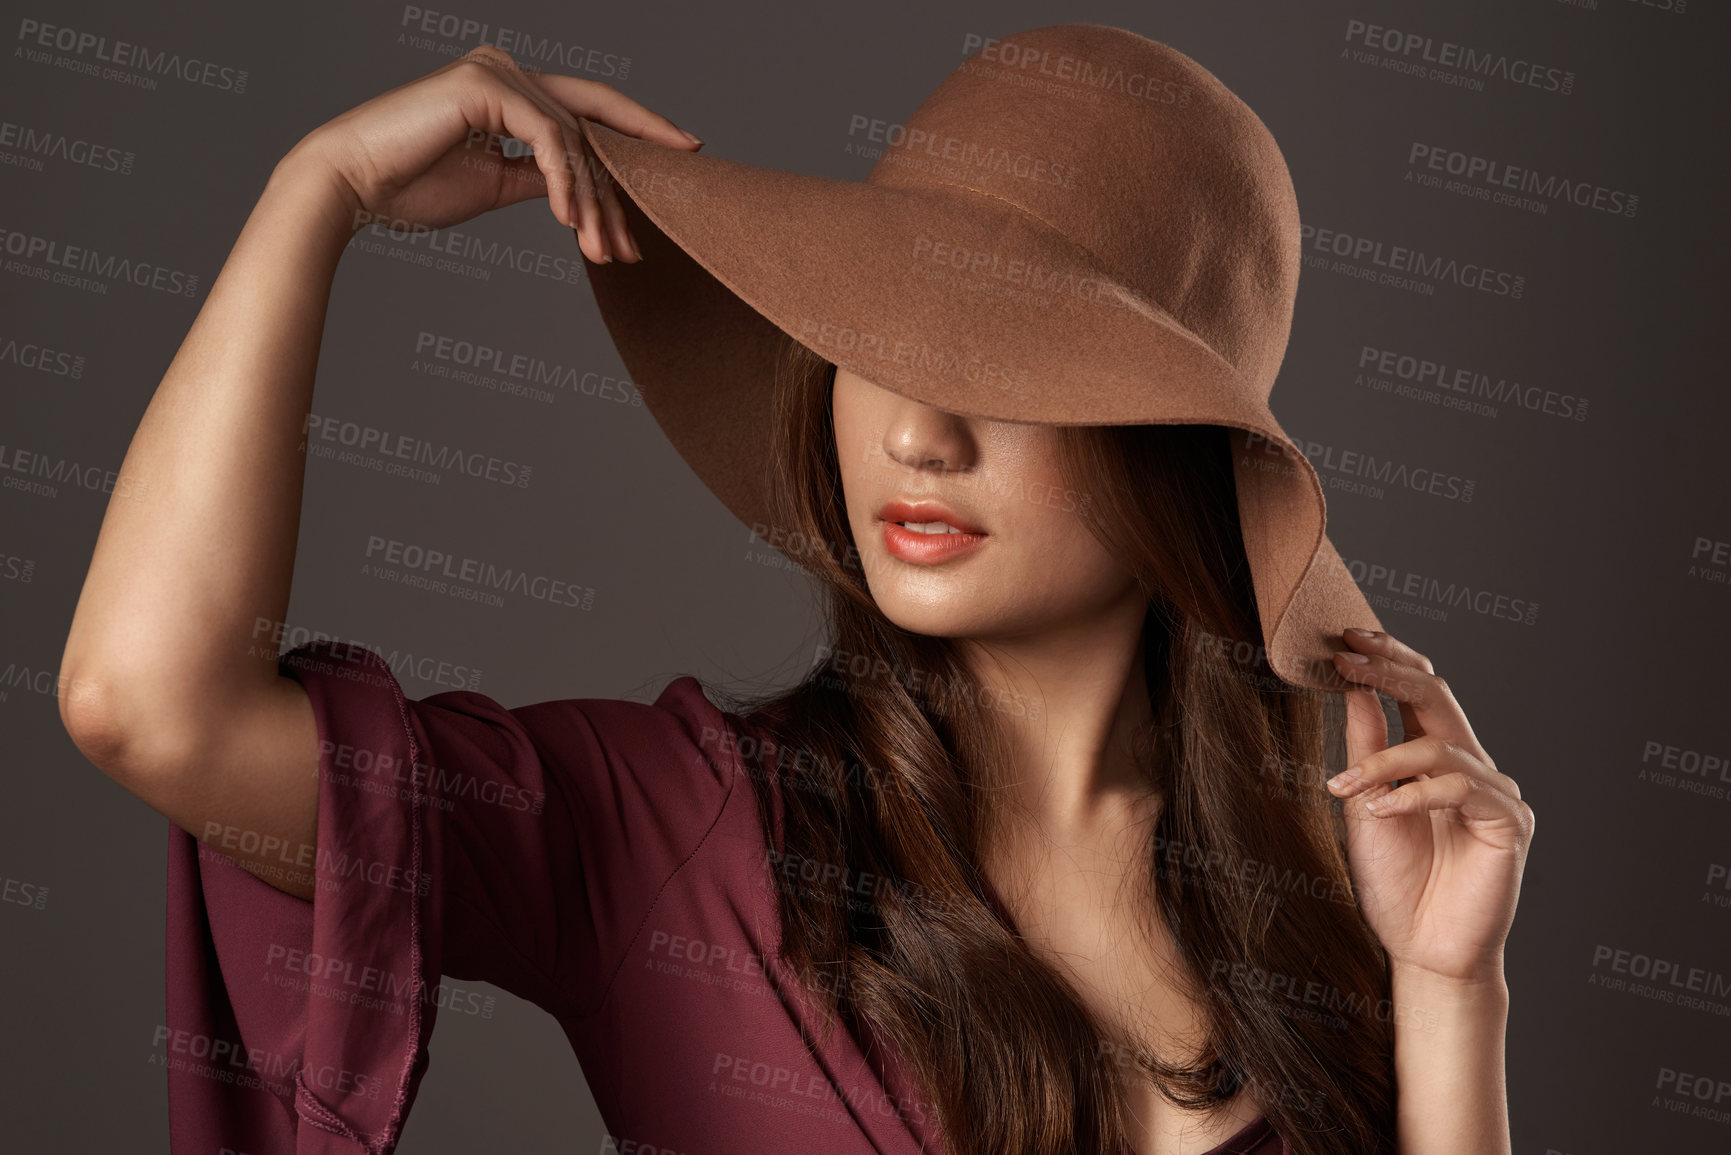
column 932, row 602
column 936, row 606
column 932, row 621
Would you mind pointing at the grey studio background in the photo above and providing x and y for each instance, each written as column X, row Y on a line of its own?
column 1546, row 515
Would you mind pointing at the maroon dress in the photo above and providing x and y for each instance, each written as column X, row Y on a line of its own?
column 602, row 859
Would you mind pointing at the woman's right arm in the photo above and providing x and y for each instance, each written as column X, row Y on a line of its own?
column 169, row 679
column 163, row 684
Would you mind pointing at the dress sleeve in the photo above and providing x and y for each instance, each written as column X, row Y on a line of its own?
column 521, row 847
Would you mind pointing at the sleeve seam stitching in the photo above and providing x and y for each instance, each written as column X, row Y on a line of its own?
column 732, row 783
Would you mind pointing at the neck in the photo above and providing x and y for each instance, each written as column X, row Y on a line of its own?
column 1071, row 697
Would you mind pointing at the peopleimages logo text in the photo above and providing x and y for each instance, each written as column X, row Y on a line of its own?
column 1464, row 58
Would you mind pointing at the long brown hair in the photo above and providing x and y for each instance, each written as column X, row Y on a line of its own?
column 891, row 782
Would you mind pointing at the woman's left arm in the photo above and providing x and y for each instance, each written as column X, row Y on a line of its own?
column 1448, row 1064
column 1436, row 865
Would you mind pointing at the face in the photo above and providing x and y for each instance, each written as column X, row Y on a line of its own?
column 1025, row 563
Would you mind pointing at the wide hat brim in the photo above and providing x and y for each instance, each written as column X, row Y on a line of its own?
column 915, row 290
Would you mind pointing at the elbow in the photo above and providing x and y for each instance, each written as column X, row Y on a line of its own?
column 87, row 716
column 109, row 733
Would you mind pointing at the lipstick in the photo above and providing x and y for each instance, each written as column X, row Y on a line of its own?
column 927, row 532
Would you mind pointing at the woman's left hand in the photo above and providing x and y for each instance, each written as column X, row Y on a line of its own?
column 1436, row 862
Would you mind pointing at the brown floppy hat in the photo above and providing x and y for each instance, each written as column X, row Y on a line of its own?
column 1079, row 226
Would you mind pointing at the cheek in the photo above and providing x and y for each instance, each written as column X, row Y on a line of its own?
column 1060, row 559
column 850, row 440
column 1051, row 551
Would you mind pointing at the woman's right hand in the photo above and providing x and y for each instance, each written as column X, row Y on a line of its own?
column 419, row 152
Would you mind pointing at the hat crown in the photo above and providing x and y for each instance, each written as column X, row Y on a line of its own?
column 1139, row 156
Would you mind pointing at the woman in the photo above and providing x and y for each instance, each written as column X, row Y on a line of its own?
column 1030, row 835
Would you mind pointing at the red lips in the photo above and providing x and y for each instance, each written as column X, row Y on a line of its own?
column 918, row 548
column 926, row 511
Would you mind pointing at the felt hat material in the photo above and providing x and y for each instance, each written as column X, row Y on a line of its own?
column 1080, row 225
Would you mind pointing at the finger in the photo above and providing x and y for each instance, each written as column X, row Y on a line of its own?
column 1366, row 726
column 574, row 97
column 1391, row 647
column 1422, row 759
column 594, row 196
column 1431, row 702
column 603, row 103
column 612, row 212
column 595, row 184
column 517, row 108
column 589, row 213
column 526, row 181
column 590, row 191
column 1468, row 800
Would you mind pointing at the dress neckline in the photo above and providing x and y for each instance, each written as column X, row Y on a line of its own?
column 1248, row 1138
column 1241, row 1142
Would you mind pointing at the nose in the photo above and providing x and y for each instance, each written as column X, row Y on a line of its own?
column 920, row 436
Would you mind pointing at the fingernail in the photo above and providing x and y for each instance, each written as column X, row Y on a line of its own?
column 689, row 137
column 1363, row 633
column 1345, row 779
column 1349, row 656
column 635, row 251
